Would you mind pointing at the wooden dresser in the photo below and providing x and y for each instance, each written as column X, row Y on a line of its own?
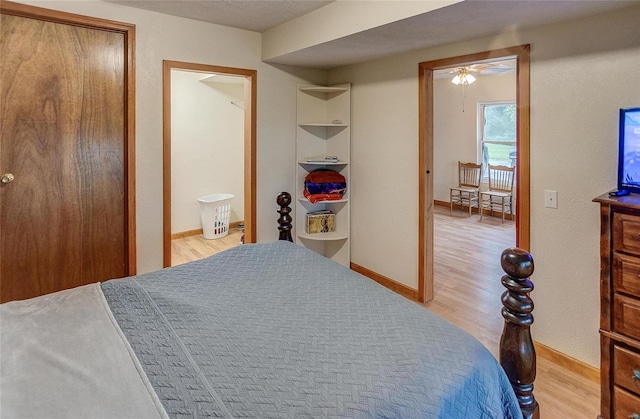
column 620, row 306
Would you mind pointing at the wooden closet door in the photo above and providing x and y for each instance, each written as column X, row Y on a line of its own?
column 63, row 217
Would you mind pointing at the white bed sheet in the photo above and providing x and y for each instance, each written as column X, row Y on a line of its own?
column 66, row 350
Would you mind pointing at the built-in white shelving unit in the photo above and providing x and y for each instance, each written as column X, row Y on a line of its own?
column 323, row 118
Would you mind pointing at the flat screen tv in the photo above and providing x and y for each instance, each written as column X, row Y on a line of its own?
column 629, row 152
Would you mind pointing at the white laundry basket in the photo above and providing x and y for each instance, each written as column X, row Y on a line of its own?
column 215, row 211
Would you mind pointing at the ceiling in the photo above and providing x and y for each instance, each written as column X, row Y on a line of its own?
column 252, row 15
column 457, row 22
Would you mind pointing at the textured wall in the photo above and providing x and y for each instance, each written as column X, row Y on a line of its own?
column 580, row 74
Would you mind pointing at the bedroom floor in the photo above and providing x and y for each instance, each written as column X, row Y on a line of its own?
column 560, row 392
column 197, row 247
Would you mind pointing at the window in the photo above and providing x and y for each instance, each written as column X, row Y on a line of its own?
column 497, row 134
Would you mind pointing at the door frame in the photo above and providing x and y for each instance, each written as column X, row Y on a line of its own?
column 128, row 32
column 425, row 154
column 250, row 89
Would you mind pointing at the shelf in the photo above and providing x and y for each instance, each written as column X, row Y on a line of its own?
column 335, row 201
column 326, row 163
column 318, row 108
column 336, row 235
column 321, row 124
column 323, row 89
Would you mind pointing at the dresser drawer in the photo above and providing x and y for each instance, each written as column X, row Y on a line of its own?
column 626, row 233
column 626, row 369
column 625, row 404
column 626, row 274
column 626, row 315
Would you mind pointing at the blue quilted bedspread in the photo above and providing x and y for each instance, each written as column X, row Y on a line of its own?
column 276, row 331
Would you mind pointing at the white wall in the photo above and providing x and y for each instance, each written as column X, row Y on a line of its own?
column 163, row 37
column 580, row 77
column 455, row 116
column 207, row 146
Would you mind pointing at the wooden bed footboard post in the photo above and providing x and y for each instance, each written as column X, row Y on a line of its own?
column 283, row 200
column 517, row 353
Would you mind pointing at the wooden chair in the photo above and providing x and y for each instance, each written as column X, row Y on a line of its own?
column 500, row 192
column 466, row 193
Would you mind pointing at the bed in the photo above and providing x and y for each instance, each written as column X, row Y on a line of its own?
column 269, row 330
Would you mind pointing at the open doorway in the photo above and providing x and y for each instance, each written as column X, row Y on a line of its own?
column 474, row 122
column 426, row 154
column 207, row 159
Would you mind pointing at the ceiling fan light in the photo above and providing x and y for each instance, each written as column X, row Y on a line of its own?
column 463, row 78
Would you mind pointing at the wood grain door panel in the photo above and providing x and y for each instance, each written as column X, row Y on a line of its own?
column 63, row 136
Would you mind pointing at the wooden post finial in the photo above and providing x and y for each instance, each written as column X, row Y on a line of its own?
column 283, row 200
column 517, row 353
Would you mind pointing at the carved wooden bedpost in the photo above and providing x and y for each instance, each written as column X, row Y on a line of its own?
column 517, row 354
column 283, row 200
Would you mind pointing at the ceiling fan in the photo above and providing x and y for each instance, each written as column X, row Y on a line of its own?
column 490, row 68
column 465, row 75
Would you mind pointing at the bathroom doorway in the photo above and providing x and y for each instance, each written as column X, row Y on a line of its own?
column 209, row 144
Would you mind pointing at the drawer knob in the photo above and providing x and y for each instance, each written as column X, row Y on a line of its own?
column 636, row 375
column 634, row 416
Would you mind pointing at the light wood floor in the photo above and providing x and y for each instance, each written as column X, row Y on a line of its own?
column 467, row 293
column 197, row 247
